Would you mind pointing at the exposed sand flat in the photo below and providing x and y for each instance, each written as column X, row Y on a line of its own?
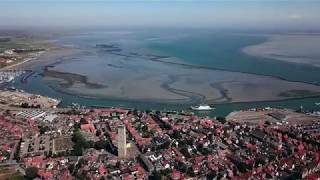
column 149, row 89
column 136, row 75
column 302, row 49
column 266, row 89
column 50, row 56
column 161, row 82
column 239, row 87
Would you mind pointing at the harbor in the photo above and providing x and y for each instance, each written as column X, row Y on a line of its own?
column 7, row 76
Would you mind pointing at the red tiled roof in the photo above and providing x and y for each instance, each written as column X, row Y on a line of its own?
column 175, row 174
column 34, row 161
column 102, row 170
column 88, row 128
column 118, row 110
column 315, row 176
column 45, row 174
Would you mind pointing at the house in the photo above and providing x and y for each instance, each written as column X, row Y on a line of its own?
column 88, row 128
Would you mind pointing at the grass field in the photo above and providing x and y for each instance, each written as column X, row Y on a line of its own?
column 7, row 173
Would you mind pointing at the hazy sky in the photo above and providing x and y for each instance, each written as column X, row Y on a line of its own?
column 153, row 13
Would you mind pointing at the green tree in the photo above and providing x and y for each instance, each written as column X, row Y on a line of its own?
column 98, row 133
column 102, row 144
column 43, row 129
column 31, row 172
column 25, row 105
column 80, row 143
column 7, row 112
column 83, row 121
column 221, row 119
column 17, row 152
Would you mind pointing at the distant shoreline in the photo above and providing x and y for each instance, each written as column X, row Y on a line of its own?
column 50, row 56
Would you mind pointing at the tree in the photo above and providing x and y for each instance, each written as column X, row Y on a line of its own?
column 98, row 133
column 71, row 168
column 77, row 150
column 7, row 112
column 100, row 145
column 90, row 144
column 83, row 121
column 211, row 175
column 135, row 112
column 25, row 105
column 17, row 152
column 176, row 134
column 31, row 172
column 80, row 143
column 78, row 138
column 155, row 176
column 221, row 119
column 190, row 172
column 43, row 129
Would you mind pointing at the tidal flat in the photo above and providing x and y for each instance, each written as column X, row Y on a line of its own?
column 142, row 75
column 162, row 68
column 292, row 48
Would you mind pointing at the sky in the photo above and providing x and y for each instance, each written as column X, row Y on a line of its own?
column 245, row 14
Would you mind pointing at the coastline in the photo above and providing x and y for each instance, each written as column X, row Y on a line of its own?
column 10, row 67
column 50, row 56
column 59, row 54
column 76, row 82
column 47, row 55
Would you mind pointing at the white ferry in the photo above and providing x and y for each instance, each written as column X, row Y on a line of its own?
column 202, row 108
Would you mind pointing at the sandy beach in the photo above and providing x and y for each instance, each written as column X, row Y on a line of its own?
column 49, row 56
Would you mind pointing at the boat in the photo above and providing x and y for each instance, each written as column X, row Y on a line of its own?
column 317, row 103
column 9, row 79
column 203, row 107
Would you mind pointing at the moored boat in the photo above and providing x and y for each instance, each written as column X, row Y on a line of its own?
column 202, row 108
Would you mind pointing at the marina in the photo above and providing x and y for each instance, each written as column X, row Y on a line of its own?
column 7, row 76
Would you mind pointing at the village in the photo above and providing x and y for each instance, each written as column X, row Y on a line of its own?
column 47, row 142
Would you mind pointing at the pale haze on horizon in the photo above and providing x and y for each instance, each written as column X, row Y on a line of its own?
column 296, row 14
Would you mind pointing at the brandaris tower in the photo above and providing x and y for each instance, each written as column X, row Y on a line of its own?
column 122, row 142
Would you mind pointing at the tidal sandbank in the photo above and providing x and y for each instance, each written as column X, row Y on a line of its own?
column 301, row 49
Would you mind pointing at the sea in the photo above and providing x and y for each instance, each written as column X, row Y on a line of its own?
column 203, row 49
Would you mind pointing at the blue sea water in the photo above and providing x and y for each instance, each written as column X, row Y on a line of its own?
column 204, row 48
column 224, row 51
